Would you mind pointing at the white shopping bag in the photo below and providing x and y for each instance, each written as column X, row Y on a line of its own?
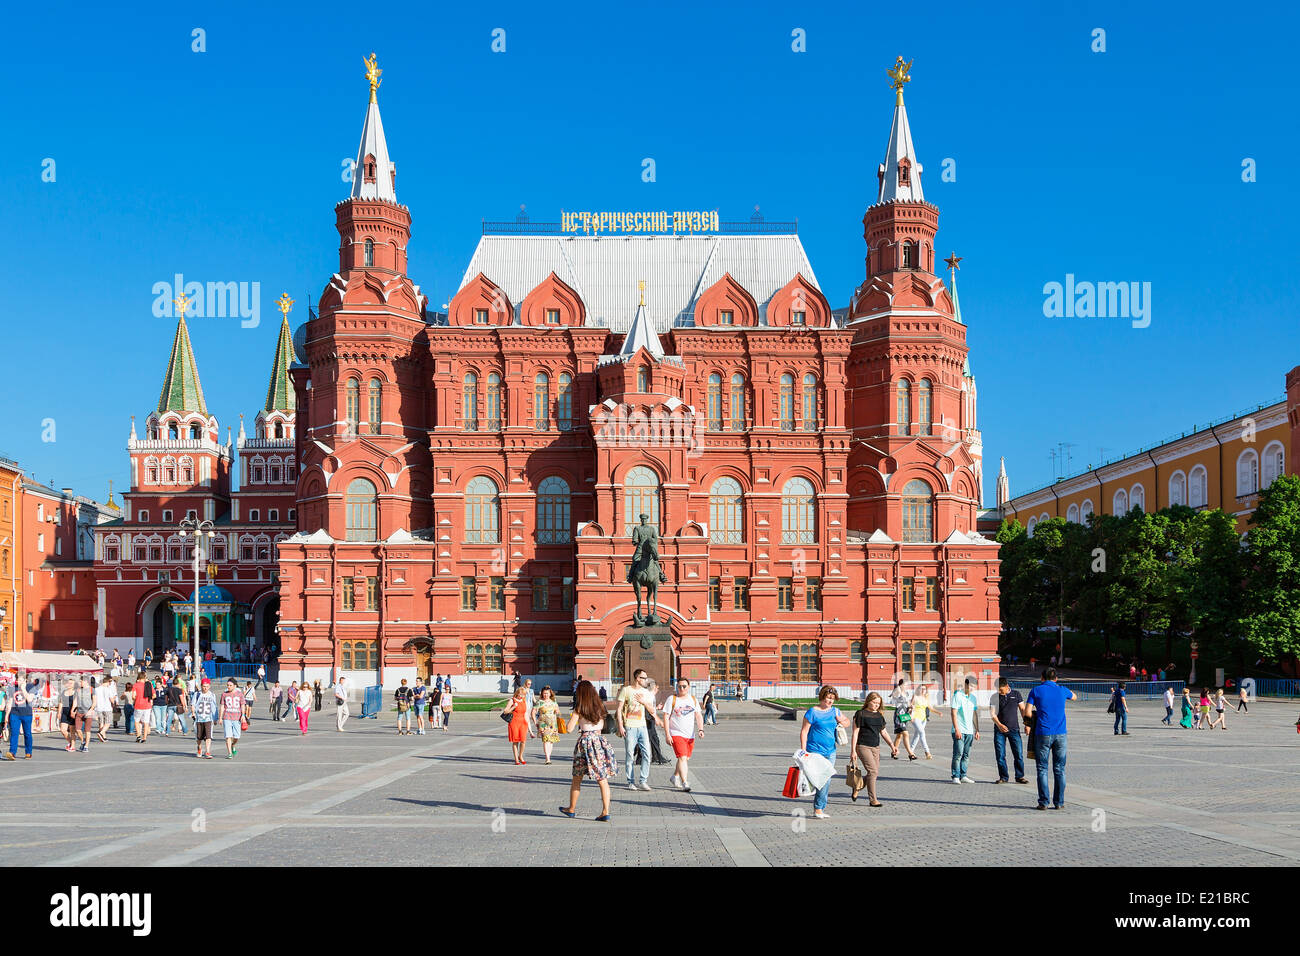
column 814, row 769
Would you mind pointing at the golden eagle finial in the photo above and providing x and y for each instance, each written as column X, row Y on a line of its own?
column 284, row 304
column 899, row 75
column 372, row 74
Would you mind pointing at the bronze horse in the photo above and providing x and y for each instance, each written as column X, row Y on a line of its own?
column 645, row 572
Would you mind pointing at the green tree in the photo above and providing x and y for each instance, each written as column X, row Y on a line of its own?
column 1271, row 619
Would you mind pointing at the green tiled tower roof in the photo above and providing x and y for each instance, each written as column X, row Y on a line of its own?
column 181, row 391
column 279, row 394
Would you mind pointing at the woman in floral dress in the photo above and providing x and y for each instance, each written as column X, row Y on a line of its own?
column 546, row 715
column 592, row 757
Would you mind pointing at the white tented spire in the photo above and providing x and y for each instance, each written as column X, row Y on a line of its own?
column 1004, row 485
column 900, row 173
column 642, row 335
column 373, row 177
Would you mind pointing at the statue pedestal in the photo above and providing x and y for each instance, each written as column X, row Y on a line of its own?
column 650, row 649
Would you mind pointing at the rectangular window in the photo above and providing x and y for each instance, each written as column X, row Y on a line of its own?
column 813, row 596
column 155, row 554
column 468, row 595
column 167, row 516
column 909, row 594
column 253, row 514
column 483, row 658
column 140, row 553
column 192, row 515
column 726, row 317
column 174, row 553
column 246, row 552
column 541, row 594
column 932, row 594
column 142, row 517
column 40, row 543
column 785, row 594
column 728, row 661
column 799, row 663
column 555, row 657
column 740, row 595
column 349, row 598
column 110, row 554
column 480, row 317
column 293, row 515
column 566, row 594
column 798, row 318
column 855, row 652
column 273, row 514
column 372, row 594
column 552, row 316
column 715, row 594
column 497, row 594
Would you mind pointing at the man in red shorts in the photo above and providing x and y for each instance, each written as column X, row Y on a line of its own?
column 685, row 721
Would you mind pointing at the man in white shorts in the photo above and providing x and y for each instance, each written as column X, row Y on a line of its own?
column 233, row 710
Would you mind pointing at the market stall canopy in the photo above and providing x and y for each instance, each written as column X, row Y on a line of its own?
column 49, row 662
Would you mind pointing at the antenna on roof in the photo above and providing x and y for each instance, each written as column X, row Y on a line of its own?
column 757, row 217
column 523, row 214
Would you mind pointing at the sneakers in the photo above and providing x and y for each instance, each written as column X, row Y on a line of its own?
column 207, row 756
column 676, row 781
column 956, row 780
column 632, row 786
column 645, row 787
column 234, row 751
column 68, row 748
column 9, row 756
column 686, row 787
column 821, row 815
column 84, row 749
column 967, row 780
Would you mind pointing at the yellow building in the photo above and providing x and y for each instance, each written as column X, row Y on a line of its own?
column 11, row 554
column 1223, row 465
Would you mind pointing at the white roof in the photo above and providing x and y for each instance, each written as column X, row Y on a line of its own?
column 900, row 146
column 373, row 144
column 49, row 662
column 605, row 270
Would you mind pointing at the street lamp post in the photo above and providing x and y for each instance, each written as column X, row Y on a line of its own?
column 200, row 529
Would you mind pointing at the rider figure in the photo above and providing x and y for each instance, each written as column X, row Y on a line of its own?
column 643, row 534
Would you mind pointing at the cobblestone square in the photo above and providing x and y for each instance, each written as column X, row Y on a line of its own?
column 1162, row 797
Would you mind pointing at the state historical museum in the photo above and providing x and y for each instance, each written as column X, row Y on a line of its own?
column 468, row 481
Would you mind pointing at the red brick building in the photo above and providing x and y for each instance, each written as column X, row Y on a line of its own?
column 180, row 470
column 468, row 481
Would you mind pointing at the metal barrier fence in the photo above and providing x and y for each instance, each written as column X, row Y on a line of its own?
column 1102, row 689
column 1277, row 687
column 217, row 671
column 373, row 702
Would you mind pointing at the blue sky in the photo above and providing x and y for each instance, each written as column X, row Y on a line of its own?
column 225, row 166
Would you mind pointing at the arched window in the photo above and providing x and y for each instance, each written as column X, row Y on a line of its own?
column 370, row 252
column 909, row 249
column 362, row 511
column 279, row 429
column 1197, row 485
column 726, row 524
column 1178, row 489
column 643, row 379
column 1121, row 502
column 376, row 406
column 640, row 496
column 1272, row 464
column 797, row 521
column 1072, row 515
column 151, row 469
column 553, row 511
column 196, row 432
column 787, row 403
column 353, row 405
column 1085, row 511
column 715, row 402
column 1137, row 498
column 1247, row 473
column 923, row 417
column 258, row 473
column 918, row 511
column 564, row 406
column 471, row 402
column 482, row 511
column 904, row 406
column 542, row 402
column 494, row 402
column 810, row 402
column 169, row 472
column 1029, row 528
column 737, row 402
column 173, row 432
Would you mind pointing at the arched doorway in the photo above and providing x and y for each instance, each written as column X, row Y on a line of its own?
column 164, row 628
column 268, row 621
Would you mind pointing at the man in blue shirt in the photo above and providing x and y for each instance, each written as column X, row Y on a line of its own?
column 1120, row 702
column 1046, row 704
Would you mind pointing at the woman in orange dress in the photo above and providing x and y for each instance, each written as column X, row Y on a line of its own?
column 521, row 724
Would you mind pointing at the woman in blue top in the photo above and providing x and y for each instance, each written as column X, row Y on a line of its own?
column 817, row 736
